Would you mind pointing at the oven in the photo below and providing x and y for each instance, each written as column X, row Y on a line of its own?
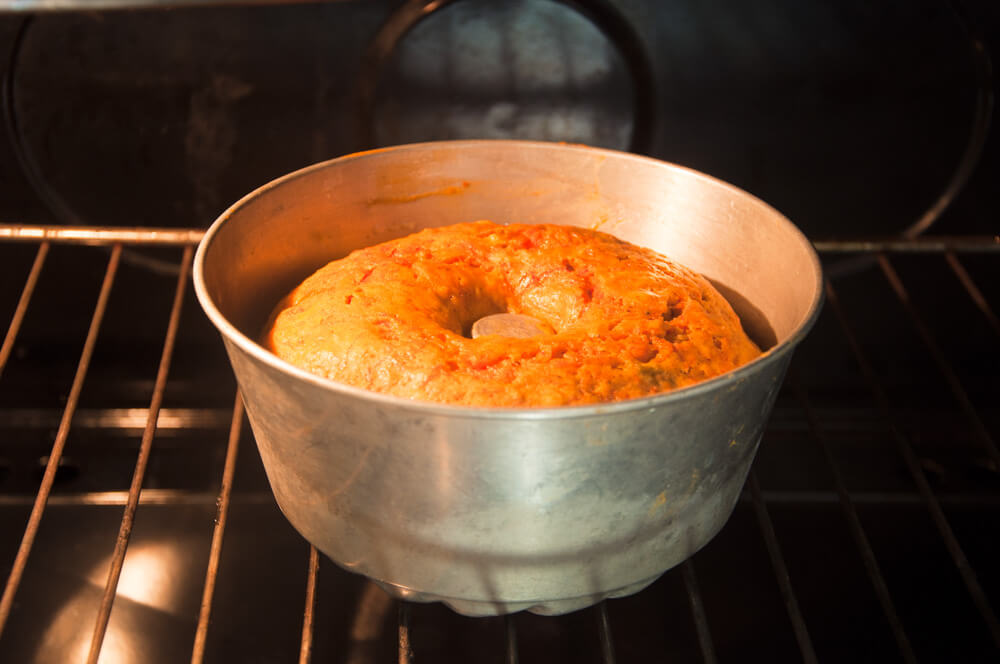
column 138, row 525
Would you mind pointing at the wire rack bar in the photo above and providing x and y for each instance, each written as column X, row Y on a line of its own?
column 973, row 290
column 951, row 543
column 145, row 447
column 187, row 497
column 604, row 634
column 144, row 235
column 22, row 305
column 308, row 617
column 148, row 497
column 857, row 531
column 170, row 237
column 943, row 365
column 510, row 634
column 781, row 573
column 403, row 621
column 925, row 244
column 218, row 532
column 55, row 455
column 114, row 5
column 698, row 612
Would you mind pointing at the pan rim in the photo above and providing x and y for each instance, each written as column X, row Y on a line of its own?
column 233, row 335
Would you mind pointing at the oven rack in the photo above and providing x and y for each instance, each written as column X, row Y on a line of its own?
column 820, row 424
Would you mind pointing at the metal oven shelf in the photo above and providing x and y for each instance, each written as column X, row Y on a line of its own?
column 881, row 452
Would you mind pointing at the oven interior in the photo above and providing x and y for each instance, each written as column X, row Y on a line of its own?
column 868, row 530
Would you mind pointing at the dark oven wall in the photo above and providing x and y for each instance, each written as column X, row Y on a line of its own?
column 848, row 117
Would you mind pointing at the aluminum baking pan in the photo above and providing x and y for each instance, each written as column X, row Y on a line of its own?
column 498, row 510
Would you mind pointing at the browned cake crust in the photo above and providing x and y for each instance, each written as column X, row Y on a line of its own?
column 395, row 318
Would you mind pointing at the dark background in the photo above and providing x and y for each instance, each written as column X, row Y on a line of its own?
column 848, row 116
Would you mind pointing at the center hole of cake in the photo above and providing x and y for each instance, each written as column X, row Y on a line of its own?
column 509, row 325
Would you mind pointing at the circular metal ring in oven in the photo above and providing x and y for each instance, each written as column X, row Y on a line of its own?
column 604, row 16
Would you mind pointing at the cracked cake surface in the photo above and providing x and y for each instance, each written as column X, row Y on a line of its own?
column 620, row 321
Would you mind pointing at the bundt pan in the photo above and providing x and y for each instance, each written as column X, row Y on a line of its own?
column 495, row 510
